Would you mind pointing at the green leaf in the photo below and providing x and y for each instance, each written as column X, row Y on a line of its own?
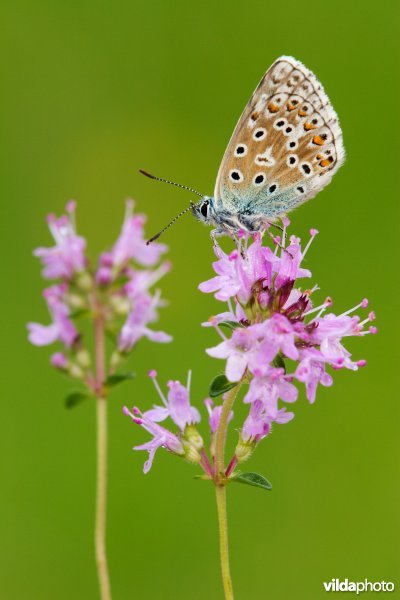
column 117, row 378
column 252, row 479
column 220, row 384
column 230, row 324
column 75, row 398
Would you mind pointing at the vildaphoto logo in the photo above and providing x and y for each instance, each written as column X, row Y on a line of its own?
column 336, row 585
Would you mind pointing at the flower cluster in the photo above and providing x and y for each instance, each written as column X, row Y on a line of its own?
column 115, row 293
column 273, row 338
column 279, row 337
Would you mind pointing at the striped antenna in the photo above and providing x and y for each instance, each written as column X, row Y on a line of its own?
column 184, row 187
column 183, row 212
column 155, row 237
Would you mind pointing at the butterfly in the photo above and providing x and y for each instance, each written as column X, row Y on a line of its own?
column 285, row 148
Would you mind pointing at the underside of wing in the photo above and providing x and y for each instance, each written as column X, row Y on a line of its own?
column 286, row 146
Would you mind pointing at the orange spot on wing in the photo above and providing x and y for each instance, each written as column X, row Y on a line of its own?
column 272, row 107
column 302, row 113
column 326, row 162
column 290, row 106
column 308, row 126
column 318, row 140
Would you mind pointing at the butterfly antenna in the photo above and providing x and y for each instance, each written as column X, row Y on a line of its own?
column 155, row 237
column 184, row 187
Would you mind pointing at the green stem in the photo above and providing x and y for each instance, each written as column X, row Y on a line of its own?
column 101, row 492
column 220, row 490
column 220, row 436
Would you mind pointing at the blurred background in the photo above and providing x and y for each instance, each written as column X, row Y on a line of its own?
column 93, row 91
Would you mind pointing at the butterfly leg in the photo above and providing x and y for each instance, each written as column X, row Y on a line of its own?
column 273, row 238
column 214, row 233
column 276, row 225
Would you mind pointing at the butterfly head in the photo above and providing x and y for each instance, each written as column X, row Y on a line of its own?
column 204, row 210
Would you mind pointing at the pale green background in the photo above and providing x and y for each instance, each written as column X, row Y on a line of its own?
column 92, row 91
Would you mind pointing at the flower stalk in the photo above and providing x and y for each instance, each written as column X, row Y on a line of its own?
column 114, row 295
column 101, row 483
column 220, row 438
column 220, row 481
column 220, row 494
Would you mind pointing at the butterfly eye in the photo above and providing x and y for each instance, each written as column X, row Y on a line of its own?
column 204, row 209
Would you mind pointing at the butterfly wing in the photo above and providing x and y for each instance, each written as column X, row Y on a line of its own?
column 285, row 148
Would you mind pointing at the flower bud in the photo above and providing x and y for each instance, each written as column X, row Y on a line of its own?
column 116, row 359
column 76, row 371
column 244, row 449
column 75, row 301
column 191, row 453
column 84, row 281
column 120, row 305
column 193, row 436
column 82, row 357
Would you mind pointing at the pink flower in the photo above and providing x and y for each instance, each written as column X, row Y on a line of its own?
column 214, row 413
column 236, row 275
column 226, row 284
column 162, row 438
column 176, row 405
column 61, row 328
column 269, row 388
column 143, row 312
column 289, row 264
column 328, row 333
column 141, row 281
column 238, row 272
column 104, row 273
column 311, row 371
column 242, row 350
column 255, row 346
column 67, row 257
column 279, row 336
column 59, row 360
column 259, row 421
column 131, row 243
